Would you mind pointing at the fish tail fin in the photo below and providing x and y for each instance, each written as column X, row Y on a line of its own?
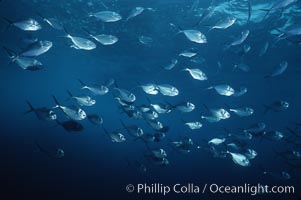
column 31, row 108
column 8, row 21
column 67, row 34
column 122, row 123
column 267, row 12
column 109, row 82
column 9, row 52
column 184, row 70
column 55, row 100
column 170, row 105
column 69, row 93
column 206, row 107
column 148, row 100
column 115, row 84
column 40, row 15
column 81, row 82
column 86, row 30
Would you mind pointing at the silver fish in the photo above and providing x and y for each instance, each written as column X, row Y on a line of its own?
column 224, row 90
column 243, row 36
column 115, row 137
column 37, row 48
column 168, row 90
column 42, row 113
column 25, row 25
column 280, row 70
column 83, row 100
column 95, row 89
column 171, row 65
column 224, row 23
column 243, row 112
column 71, row 112
column 239, row 159
column 106, row 16
column 196, row 74
column 194, row 125
column 26, row 63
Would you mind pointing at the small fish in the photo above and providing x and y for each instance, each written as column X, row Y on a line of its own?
column 59, row 153
column 125, row 95
column 211, row 119
column 255, row 128
column 104, row 39
column 156, row 125
column 194, row 125
column 183, row 146
column 250, row 154
column 167, row 90
column 71, row 112
column 280, row 70
column 195, row 36
column 106, row 16
column 145, row 40
column 216, row 141
column 95, row 89
column 26, row 63
column 71, row 126
column 149, row 88
column 161, row 108
column 188, row 53
column 264, row 49
column 239, row 40
column 242, row 91
column 295, row 31
column 132, row 130
column 82, row 100
column 42, row 113
column 25, row 25
column 192, row 35
column 273, row 135
column 277, row 106
column 224, row 90
column 224, row 23
column 115, row 137
column 184, row 107
column 95, row 119
column 53, row 22
column 243, row 112
column 243, row 67
column 239, row 159
column 159, row 153
column 220, row 113
column 135, row 12
column 198, row 60
column 150, row 115
column 196, row 74
column 80, row 43
column 37, row 48
column 171, row 65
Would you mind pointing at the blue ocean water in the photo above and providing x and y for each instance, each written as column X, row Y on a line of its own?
column 94, row 167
